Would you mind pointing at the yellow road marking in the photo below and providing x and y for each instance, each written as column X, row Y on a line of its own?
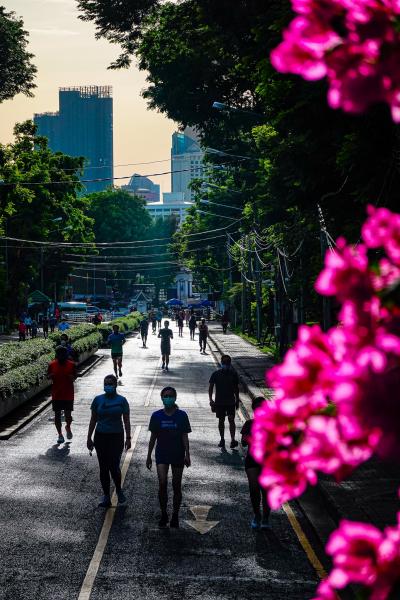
column 301, row 536
column 94, row 565
column 305, row 543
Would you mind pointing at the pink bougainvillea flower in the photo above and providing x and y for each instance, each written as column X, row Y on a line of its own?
column 363, row 555
column 346, row 274
column 354, row 43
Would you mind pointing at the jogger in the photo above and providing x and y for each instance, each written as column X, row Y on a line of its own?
column 253, row 471
column 169, row 428
column 109, row 410
column 62, row 372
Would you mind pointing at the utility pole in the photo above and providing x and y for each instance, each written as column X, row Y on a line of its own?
column 326, row 312
column 258, row 274
column 249, row 277
column 243, row 292
column 42, row 269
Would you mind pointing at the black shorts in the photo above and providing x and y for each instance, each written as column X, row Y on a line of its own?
column 250, row 463
column 58, row 405
column 176, row 465
column 225, row 411
column 116, row 355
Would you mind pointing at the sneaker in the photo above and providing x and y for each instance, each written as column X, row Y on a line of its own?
column 120, row 373
column 163, row 366
column 69, row 433
column 163, row 522
column 121, row 497
column 265, row 523
column 234, row 443
column 105, row 502
column 256, row 522
column 221, row 444
column 60, row 439
column 166, row 368
column 174, row 521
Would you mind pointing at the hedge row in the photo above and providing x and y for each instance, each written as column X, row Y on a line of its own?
column 23, row 365
column 126, row 324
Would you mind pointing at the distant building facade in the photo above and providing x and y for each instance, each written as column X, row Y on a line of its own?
column 173, row 205
column 83, row 126
column 143, row 187
column 186, row 162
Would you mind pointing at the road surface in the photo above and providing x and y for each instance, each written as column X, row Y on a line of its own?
column 51, row 526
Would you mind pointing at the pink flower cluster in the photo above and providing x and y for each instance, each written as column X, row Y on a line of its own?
column 354, row 43
column 337, row 394
column 365, row 556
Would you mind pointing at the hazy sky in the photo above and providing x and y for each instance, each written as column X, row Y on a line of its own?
column 67, row 54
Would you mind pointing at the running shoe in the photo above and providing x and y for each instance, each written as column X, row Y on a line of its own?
column 265, row 523
column 256, row 522
column 163, row 366
column 221, row 444
column 163, row 522
column 105, row 502
column 69, row 433
column 121, row 497
column 174, row 521
column 166, row 368
column 120, row 373
column 60, row 439
column 234, row 443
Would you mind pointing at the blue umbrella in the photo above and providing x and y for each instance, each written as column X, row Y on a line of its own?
column 206, row 303
column 174, row 302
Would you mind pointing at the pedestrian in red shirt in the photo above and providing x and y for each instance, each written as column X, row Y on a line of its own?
column 22, row 331
column 62, row 372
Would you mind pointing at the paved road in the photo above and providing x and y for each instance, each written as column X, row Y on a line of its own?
column 50, row 523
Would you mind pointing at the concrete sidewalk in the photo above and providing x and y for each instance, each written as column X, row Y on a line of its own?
column 369, row 495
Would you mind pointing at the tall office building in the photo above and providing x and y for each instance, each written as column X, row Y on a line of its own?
column 186, row 161
column 83, row 126
column 139, row 185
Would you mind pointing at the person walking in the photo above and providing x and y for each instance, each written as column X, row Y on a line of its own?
column 159, row 317
column 169, row 429
column 45, row 326
column 52, row 323
column 110, row 415
column 28, row 323
column 180, row 325
column 22, row 331
column 144, row 331
column 226, row 383
column 166, row 336
column 225, row 321
column 153, row 319
column 116, row 340
column 192, row 325
column 253, row 472
column 34, row 328
column 203, row 335
column 62, row 372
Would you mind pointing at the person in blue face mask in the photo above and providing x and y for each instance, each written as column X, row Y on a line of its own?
column 110, row 414
column 169, row 428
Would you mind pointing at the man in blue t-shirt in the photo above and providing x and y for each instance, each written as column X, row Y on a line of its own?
column 169, row 427
column 116, row 340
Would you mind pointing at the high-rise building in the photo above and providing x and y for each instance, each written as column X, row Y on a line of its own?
column 83, row 126
column 186, row 162
column 144, row 187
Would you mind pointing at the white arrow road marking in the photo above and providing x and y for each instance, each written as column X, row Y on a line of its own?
column 201, row 524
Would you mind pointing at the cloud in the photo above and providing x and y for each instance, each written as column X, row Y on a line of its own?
column 54, row 31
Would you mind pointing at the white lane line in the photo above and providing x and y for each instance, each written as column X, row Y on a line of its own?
column 94, row 565
column 153, row 384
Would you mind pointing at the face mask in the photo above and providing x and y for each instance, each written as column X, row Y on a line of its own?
column 225, row 367
column 63, row 343
column 109, row 389
column 168, row 401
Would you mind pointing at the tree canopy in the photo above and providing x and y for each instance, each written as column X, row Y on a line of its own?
column 17, row 73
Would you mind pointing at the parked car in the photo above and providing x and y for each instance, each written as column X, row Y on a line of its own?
column 121, row 311
column 93, row 310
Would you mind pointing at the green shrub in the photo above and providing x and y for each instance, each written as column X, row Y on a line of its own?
column 17, row 354
column 24, row 378
column 87, row 343
column 126, row 324
column 75, row 333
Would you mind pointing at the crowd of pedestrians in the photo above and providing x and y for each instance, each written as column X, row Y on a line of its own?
column 109, row 431
column 28, row 325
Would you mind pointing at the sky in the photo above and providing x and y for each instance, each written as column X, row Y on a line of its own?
column 67, row 54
